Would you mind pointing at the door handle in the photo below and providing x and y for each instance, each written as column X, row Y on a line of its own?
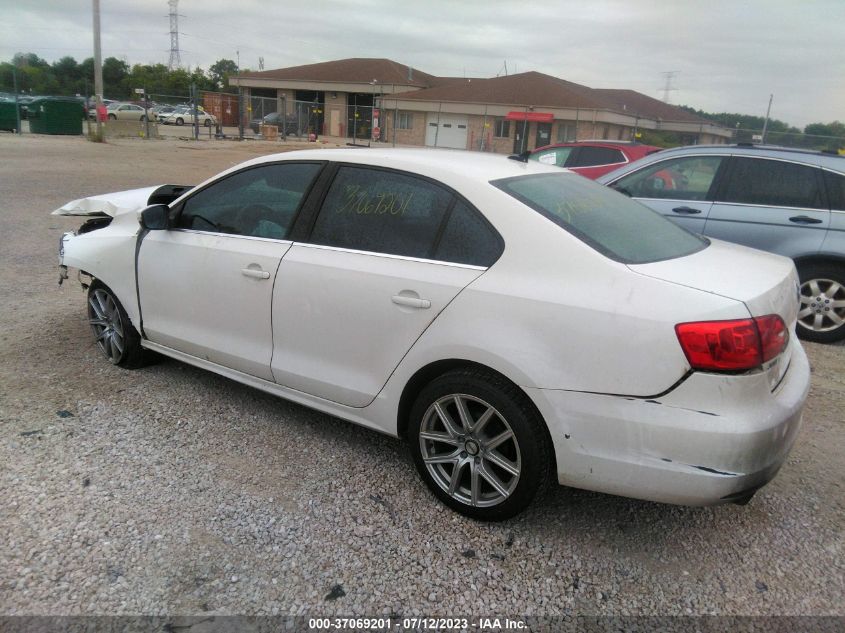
column 255, row 273
column 686, row 210
column 804, row 219
column 411, row 302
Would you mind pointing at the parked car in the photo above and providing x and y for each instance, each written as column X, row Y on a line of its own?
column 182, row 115
column 274, row 118
column 511, row 320
column 127, row 112
column 592, row 158
column 160, row 111
column 790, row 202
column 92, row 106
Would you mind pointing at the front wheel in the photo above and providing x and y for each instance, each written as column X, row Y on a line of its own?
column 479, row 444
column 114, row 334
column 821, row 315
column 113, row 117
column 207, row 123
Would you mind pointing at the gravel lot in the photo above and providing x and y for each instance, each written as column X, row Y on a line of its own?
column 170, row 490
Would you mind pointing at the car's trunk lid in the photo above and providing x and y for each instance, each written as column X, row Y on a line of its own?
column 764, row 282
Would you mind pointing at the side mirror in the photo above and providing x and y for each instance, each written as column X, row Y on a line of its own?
column 155, row 217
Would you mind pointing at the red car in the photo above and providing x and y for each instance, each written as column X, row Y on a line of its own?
column 592, row 158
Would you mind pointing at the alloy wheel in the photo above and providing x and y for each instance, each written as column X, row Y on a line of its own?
column 470, row 450
column 104, row 317
column 822, row 305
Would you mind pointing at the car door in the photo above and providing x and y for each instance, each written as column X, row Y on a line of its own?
column 387, row 253
column 771, row 204
column 681, row 188
column 206, row 285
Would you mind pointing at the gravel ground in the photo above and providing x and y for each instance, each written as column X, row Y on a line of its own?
column 170, row 490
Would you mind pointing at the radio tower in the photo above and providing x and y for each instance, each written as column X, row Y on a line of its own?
column 175, row 57
column 669, row 77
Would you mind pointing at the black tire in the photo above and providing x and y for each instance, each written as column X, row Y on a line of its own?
column 114, row 333
column 529, row 452
column 143, row 118
column 113, row 117
column 207, row 123
column 180, row 121
column 822, row 302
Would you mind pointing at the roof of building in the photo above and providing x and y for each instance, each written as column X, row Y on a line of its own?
column 352, row 70
column 531, row 88
column 637, row 103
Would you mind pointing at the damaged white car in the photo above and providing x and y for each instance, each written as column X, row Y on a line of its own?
column 514, row 322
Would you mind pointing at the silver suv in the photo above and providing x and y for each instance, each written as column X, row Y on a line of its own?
column 790, row 202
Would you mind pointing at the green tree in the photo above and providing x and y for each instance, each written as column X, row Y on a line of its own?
column 220, row 71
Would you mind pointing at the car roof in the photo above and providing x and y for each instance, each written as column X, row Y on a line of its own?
column 813, row 157
column 443, row 164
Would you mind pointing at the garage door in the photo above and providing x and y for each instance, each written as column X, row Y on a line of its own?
column 452, row 131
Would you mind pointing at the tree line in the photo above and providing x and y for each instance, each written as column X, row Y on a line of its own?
column 66, row 76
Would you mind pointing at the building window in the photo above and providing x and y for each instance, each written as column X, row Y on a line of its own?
column 565, row 132
column 502, row 129
column 405, row 121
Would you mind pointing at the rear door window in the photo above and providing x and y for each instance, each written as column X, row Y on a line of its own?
column 613, row 224
column 381, row 211
column 772, row 183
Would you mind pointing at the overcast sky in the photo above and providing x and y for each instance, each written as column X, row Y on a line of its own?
column 728, row 55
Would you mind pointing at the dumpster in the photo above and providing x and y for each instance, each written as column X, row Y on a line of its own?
column 55, row 115
column 8, row 117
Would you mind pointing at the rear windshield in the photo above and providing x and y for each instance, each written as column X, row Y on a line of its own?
column 608, row 221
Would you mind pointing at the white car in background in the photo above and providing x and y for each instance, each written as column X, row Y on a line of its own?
column 512, row 321
column 185, row 116
column 127, row 112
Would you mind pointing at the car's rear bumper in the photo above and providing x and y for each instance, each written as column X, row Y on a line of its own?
column 713, row 439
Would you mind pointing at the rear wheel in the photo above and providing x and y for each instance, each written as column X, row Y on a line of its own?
column 114, row 334
column 479, row 444
column 207, row 123
column 180, row 121
column 821, row 315
column 113, row 117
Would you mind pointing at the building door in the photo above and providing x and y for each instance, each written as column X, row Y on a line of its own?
column 451, row 131
column 544, row 135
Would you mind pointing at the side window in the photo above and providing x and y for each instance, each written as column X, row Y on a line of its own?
column 773, row 183
column 688, row 178
column 258, row 202
column 589, row 156
column 381, row 211
column 468, row 239
column 555, row 156
column 835, row 185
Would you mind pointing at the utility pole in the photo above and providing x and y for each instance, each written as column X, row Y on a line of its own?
column 766, row 122
column 98, row 71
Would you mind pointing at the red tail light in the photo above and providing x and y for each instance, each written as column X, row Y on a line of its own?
column 732, row 345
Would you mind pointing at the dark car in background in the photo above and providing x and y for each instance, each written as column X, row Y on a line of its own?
column 785, row 201
column 592, row 158
column 274, row 118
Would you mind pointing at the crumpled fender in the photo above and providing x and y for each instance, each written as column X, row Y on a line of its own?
column 112, row 204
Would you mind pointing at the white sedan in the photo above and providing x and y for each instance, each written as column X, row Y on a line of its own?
column 512, row 321
column 183, row 115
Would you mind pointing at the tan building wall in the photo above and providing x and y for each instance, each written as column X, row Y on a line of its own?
column 414, row 136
